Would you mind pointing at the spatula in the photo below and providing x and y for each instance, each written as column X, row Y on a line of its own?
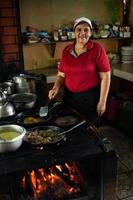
column 43, row 112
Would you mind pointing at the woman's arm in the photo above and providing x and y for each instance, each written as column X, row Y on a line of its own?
column 104, row 89
column 57, row 85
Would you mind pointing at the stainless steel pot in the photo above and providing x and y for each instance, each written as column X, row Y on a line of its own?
column 2, row 97
column 7, row 87
column 20, row 80
column 24, row 84
column 23, row 100
column 8, row 145
column 6, row 108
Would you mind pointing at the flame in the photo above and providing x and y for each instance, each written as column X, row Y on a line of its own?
column 59, row 167
column 42, row 181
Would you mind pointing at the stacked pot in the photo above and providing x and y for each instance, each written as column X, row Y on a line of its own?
column 17, row 94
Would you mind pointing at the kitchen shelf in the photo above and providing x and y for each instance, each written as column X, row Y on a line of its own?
column 52, row 45
column 51, row 48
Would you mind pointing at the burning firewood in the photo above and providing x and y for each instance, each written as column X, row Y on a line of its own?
column 66, row 178
column 39, row 174
column 65, row 169
column 28, row 185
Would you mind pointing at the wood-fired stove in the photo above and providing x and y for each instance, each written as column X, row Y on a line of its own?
column 84, row 167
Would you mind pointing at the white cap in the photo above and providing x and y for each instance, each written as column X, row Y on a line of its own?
column 82, row 19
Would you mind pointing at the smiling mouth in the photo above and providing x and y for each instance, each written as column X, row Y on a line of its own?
column 83, row 38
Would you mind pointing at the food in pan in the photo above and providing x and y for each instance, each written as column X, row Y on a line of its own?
column 66, row 120
column 43, row 136
column 32, row 120
column 9, row 135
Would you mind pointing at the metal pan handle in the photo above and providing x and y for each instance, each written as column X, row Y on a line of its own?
column 74, row 127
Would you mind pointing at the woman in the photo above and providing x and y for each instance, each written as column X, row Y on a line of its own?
column 84, row 71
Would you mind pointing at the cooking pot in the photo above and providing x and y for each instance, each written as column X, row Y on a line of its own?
column 24, row 84
column 20, row 80
column 6, row 108
column 23, row 100
column 7, row 87
column 2, row 97
column 10, row 142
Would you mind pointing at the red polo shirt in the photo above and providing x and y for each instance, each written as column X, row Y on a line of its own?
column 82, row 72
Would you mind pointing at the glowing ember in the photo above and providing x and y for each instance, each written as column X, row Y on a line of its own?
column 59, row 181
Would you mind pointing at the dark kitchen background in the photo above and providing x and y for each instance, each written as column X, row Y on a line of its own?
column 30, row 43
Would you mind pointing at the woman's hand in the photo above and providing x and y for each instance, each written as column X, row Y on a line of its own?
column 52, row 93
column 101, row 107
column 57, row 85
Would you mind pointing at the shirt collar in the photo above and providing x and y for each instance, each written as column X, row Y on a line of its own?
column 89, row 46
column 70, row 48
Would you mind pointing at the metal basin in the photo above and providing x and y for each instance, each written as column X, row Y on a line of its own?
column 6, row 110
column 9, row 144
column 23, row 100
column 7, row 87
column 24, row 84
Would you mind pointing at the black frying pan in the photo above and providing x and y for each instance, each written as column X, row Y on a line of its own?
column 31, row 118
column 44, row 135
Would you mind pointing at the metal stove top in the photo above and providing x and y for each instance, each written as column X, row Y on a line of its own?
column 83, row 142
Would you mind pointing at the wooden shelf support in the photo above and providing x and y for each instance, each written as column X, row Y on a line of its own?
column 51, row 48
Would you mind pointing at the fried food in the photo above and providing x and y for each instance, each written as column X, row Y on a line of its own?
column 32, row 120
column 44, row 136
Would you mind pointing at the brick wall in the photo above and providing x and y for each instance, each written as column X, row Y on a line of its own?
column 10, row 33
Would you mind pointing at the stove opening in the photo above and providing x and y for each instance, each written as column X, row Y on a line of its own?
column 68, row 181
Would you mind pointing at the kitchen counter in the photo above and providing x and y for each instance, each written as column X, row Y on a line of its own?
column 49, row 72
column 122, row 70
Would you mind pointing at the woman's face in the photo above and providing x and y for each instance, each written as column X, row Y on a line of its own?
column 82, row 33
